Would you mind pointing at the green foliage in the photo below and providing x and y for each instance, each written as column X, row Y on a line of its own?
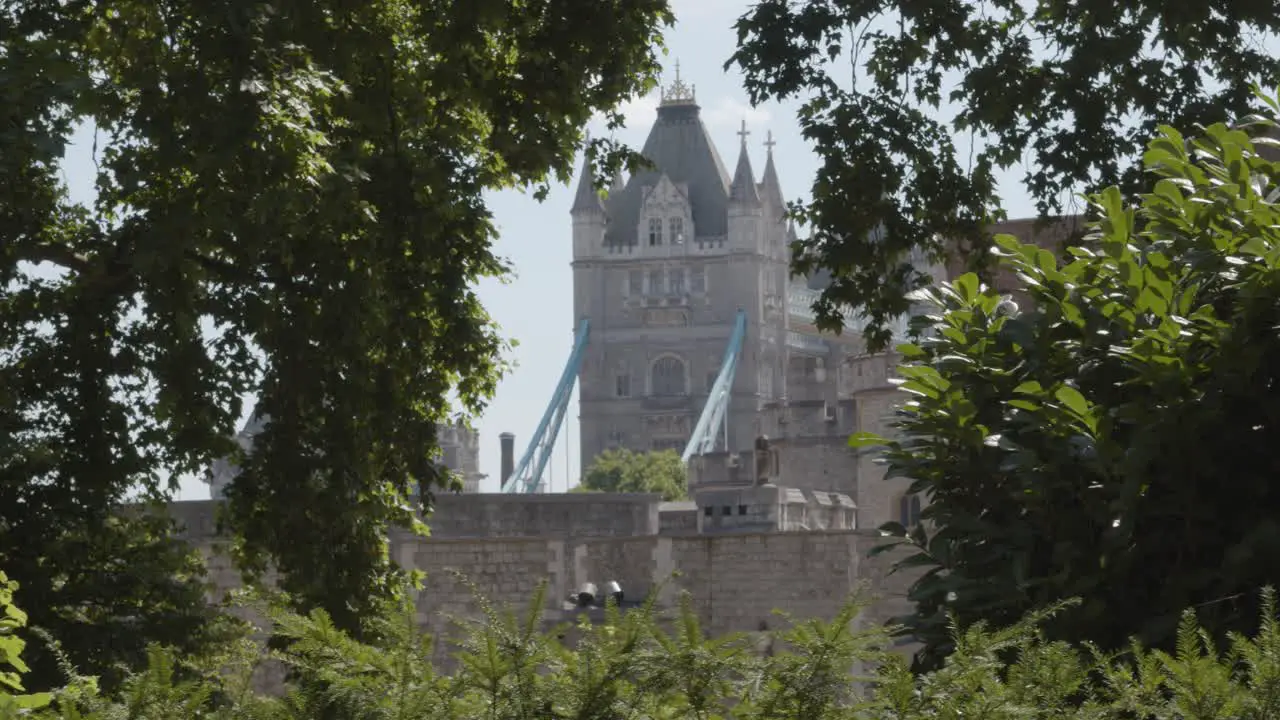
column 643, row 665
column 12, row 667
column 290, row 204
column 107, row 590
column 1073, row 90
column 625, row 471
column 1115, row 442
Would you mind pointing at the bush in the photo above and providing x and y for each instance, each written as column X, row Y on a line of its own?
column 12, row 667
column 1115, row 442
column 633, row 666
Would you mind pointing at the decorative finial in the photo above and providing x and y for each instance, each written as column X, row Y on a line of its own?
column 678, row 93
column 744, row 132
column 768, row 141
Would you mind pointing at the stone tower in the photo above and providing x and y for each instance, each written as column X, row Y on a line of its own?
column 661, row 267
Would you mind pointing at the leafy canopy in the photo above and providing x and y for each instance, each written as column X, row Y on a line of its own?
column 624, row 471
column 1115, row 442
column 915, row 108
column 290, row 204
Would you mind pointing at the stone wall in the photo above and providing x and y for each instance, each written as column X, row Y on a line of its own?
column 539, row 515
column 735, row 581
column 771, row 508
column 678, row 518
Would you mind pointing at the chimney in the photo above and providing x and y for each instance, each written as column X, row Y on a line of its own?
column 508, row 464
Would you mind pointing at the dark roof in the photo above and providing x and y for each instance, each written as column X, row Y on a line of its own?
column 743, row 190
column 770, row 188
column 586, row 197
column 678, row 146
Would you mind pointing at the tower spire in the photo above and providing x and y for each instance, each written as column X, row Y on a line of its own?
column 743, row 190
column 678, row 93
column 586, row 198
column 770, row 188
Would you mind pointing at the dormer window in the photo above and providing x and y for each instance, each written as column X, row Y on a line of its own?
column 676, row 225
column 655, row 232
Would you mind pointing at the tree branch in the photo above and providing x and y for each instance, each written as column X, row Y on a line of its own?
column 59, row 255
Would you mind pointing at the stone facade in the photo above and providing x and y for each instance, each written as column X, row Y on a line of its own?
column 735, row 579
column 662, row 264
column 661, row 268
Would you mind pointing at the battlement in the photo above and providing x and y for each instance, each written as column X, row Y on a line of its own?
column 770, row 508
column 496, row 515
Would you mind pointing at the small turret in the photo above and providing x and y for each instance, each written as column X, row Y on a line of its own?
column 770, row 188
column 745, row 211
column 743, row 189
column 589, row 216
column 586, row 199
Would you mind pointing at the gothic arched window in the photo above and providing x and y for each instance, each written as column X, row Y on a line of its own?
column 668, row 376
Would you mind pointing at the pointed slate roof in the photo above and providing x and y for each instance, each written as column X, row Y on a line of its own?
column 743, row 190
column 770, row 188
column 678, row 145
column 586, row 198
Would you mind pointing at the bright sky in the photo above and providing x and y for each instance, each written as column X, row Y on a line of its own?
column 536, row 308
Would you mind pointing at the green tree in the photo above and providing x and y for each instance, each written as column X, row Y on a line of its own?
column 625, row 471
column 290, row 204
column 1115, row 442
column 1073, row 89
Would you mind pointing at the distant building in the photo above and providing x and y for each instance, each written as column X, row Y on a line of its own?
column 661, row 267
column 459, row 445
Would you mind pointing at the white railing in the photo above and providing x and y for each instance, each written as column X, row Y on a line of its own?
column 800, row 302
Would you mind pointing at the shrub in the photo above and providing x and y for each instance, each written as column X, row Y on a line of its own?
column 639, row 666
column 11, row 665
column 1115, row 442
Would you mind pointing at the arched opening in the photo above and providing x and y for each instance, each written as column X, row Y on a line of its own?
column 667, row 377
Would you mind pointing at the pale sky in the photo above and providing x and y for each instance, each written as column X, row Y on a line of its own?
column 536, row 307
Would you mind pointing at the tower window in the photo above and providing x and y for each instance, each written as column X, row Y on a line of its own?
column 656, row 282
column 675, row 282
column 711, row 379
column 667, row 377
column 655, row 231
column 622, row 385
column 697, row 281
column 677, row 229
column 635, row 281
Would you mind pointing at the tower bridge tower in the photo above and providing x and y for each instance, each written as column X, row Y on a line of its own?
column 661, row 267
